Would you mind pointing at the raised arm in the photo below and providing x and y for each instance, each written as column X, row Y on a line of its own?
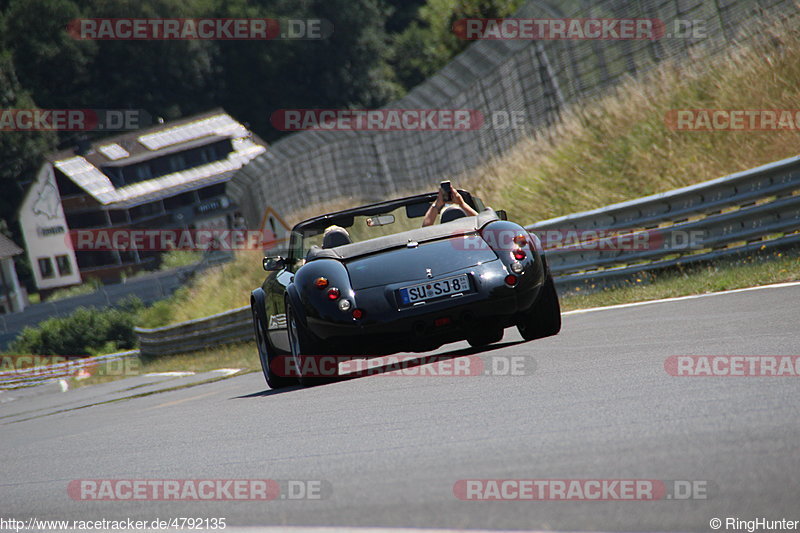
column 460, row 202
column 433, row 210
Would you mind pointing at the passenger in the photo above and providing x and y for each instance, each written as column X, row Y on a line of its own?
column 451, row 212
column 335, row 236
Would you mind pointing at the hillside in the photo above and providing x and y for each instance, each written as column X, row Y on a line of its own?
column 608, row 150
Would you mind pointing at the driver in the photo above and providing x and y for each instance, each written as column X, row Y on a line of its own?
column 451, row 212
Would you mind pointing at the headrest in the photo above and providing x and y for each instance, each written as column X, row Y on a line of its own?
column 452, row 213
column 335, row 237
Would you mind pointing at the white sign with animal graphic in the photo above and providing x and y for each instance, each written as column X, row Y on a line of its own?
column 46, row 234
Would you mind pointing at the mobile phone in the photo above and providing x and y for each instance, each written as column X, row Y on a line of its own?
column 447, row 190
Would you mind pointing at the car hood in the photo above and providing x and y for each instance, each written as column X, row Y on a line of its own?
column 412, row 263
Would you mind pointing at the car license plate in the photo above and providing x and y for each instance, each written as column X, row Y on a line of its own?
column 434, row 289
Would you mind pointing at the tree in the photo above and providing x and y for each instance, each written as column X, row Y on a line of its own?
column 426, row 45
column 21, row 155
column 348, row 69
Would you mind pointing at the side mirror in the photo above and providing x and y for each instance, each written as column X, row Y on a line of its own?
column 271, row 264
column 501, row 214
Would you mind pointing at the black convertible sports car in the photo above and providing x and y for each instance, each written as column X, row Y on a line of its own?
column 377, row 283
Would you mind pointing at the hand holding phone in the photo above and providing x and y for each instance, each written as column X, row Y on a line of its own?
column 447, row 191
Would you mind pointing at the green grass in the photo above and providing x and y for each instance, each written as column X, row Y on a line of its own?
column 722, row 276
column 87, row 287
column 179, row 258
column 212, row 291
column 618, row 147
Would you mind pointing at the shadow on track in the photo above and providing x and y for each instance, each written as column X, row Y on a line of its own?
column 378, row 370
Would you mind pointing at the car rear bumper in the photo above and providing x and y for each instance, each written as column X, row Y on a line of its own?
column 388, row 329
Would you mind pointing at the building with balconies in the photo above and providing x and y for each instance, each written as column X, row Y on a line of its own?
column 171, row 176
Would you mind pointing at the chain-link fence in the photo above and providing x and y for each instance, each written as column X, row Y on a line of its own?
column 534, row 79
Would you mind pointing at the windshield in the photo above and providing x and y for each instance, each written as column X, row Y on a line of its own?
column 365, row 223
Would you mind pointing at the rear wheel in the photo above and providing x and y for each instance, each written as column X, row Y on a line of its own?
column 313, row 366
column 486, row 337
column 543, row 319
column 267, row 355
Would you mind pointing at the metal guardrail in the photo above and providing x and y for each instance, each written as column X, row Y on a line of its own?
column 223, row 328
column 39, row 375
column 741, row 213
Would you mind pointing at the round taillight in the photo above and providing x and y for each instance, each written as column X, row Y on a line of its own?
column 344, row 305
column 333, row 293
column 520, row 240
column 519, row 255
column 511, row 280
column 358, row 314
column 516, row 267
column 321, row 283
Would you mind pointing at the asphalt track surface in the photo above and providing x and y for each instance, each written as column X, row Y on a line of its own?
column 595, row 403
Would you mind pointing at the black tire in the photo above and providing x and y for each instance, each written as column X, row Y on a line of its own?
column 304, row 346
column 486, row 337
column 266, row 353
column 543, row 319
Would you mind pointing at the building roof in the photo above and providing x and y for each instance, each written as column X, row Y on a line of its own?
column 8, row 248
column 142, row 145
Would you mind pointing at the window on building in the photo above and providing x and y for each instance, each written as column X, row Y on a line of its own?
column 45, row 267
column 137, row 173
column 143, row 172
column 119, row 216
column 177, row 163
column 115, row 174
column 87, row 219
column 208, row 154
column 63, row 264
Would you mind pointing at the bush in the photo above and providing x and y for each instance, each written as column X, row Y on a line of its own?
column 88, row 287
column 86, row 331
column 179, row 258
column 160, row 313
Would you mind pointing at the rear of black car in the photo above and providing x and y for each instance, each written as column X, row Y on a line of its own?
column 422, row 295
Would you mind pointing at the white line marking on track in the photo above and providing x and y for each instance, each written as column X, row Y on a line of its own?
column 227, row 371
